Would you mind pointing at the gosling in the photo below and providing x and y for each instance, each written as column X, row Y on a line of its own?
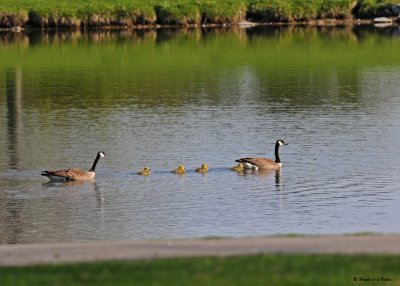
column 179, row 170
column 144, row 172
column 238, row 168
column 202, row 169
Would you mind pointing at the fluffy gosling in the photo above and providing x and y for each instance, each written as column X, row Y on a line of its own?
column 238, row 168
column 180, row 170
column 202, row 169
column 144, row 172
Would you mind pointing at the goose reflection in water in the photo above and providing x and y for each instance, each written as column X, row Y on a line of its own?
column 267, row 173
column 77, row 186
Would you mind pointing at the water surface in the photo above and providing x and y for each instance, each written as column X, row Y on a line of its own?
column 162, row 98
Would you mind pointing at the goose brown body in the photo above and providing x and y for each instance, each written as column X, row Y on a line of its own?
column 73, row 174
column 264, row 163
column 260, row 163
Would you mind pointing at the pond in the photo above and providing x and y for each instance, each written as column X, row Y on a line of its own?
column 160, row 98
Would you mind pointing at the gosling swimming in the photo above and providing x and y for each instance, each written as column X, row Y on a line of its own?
column 202, row 169
column 145, row 172
column 238, row 168
column 180, row 170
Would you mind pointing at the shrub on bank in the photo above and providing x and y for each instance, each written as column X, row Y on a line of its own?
column 91, row 14
column 299, row 10
column 178, row 13
column 223, row 12
column 13, row 19
column 336, row 9
column 269, row 11
column 189, row 12
column 367, row 9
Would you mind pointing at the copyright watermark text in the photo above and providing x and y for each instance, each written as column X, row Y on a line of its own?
column 371, row 279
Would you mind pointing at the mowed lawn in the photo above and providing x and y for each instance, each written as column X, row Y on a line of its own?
column 236, row 270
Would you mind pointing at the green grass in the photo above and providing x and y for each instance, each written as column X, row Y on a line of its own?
column 240, row 270
column 54, row 13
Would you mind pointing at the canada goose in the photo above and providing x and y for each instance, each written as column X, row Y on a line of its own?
column 202, row 169
column 74, row 174
column 264, row 163
column 144, row 172
column 238, row 168
column 179, row 170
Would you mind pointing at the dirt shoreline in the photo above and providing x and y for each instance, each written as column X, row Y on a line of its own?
column 18, row 23
column 243, row 24
column 31, row 254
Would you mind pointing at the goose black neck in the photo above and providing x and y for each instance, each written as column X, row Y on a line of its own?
column 95, row 163
column 277, row 159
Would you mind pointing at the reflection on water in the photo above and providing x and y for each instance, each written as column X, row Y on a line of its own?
column 161, row 98
column 14, row 101
column 164, row 36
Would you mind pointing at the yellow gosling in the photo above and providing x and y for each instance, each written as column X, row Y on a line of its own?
column 180, row 170
column 238, row 168
column 144, row 172
column 202, row 169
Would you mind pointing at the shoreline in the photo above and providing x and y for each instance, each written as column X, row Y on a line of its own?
column 56, row 253
column 243, row 25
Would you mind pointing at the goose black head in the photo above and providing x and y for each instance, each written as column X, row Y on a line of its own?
column 281, row 142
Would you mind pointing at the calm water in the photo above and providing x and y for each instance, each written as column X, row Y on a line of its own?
column 170, row 97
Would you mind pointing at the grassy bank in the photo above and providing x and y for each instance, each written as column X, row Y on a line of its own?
column 241, row 270
column 127, row 13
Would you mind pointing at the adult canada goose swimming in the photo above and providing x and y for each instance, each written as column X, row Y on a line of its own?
column 202, row 169
column 264, row 163
column 144, row 172
column 179, row 170
column 238, row 168
column 74, row 174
